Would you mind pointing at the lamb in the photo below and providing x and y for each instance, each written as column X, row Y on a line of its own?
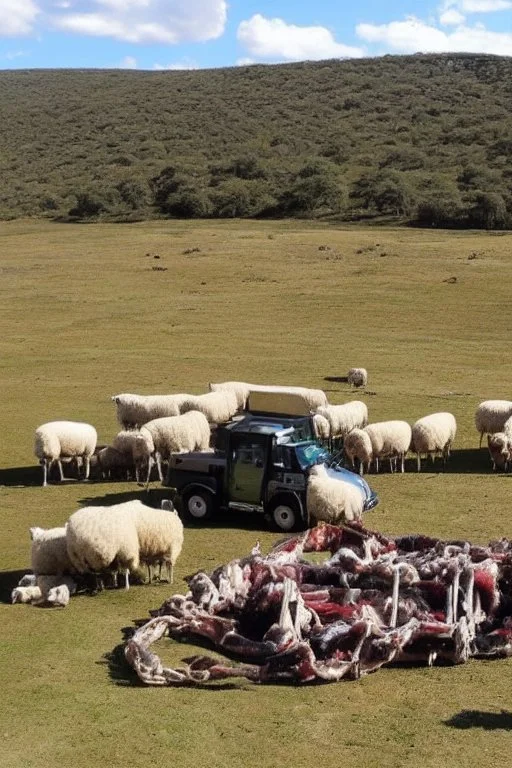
column 491, row 415
column 159, row 438
column 389, row 439
column 432, row 434
column 344, row 418
column 500, row 447
column 330, row 499
column 103, row 538
column 357, row 377
column 160, row 533
column 218, row 407
column 314, row 398
column 49, row 553
column 57, row 440
column 135, row 410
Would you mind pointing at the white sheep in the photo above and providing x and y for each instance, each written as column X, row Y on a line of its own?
column 113, row 463
column 135, row 410
column 103, row 538
column 240, row 388
column 357, row 377
column 160, row 438
column 218, row 407
column 390, row 440
column 343, row 418
column 500, row 448
column 25, row 594
column 491, row 415
column 321, row 427
column 49, row 553
column 433, row 434
column 331, row 499
column 160, row 533
column 57, row 440
column 357, row 445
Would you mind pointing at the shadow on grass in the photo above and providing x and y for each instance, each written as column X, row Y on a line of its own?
column 338, row 379
column 474, row 718
column 21, row 477
column 245, row 521
column 9, row 580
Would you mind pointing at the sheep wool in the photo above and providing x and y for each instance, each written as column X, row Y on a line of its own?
column 49, row 553
column 491, row 415
column 99, row 538
column 343, row 418
column 500, row 449
column 433, row 434
column 331, row 499
column 240, row 388
column 357, row 445
column 357, row 377
column 389, row 439
column 135, row 410
column 321, row 427
column 218, row 407
column 56, row 441
column 313, row 398
column 160, row 533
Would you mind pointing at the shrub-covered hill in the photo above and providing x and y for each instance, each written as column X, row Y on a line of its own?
column 425, row 138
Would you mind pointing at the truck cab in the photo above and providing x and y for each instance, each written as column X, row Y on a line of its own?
column 260, row 464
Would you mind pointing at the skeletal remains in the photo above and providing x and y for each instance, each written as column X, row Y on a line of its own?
column 376, row 600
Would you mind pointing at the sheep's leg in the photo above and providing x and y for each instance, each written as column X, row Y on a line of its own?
column 361, row 468
column 126, row 578
column 377, row 464
column 150, row 578
column 87, row 466
column 481, row 438
column 59, row 462
column 402, row 463
column 418, row 461
column 391, row 464
column 45, row 472
column 150, row 466
column 170, row 571
column 159, row 466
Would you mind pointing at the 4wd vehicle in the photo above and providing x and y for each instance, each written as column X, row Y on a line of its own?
column 260, row 464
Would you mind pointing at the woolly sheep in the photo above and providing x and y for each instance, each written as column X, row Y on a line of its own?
column 113, row 463
column 101, row 538
column 135, row 410
column 432, row 434
column 330, row 499
column 321, row 427
column 500, row 449
column 344, row 418
column 160, row 533
column 491, row 415
column 49, row 553
column 160, row 438
column 357, row 377
column 56, row 440
column 389, row 439
column 357, row 445
column 218, row 407
column 314, row 398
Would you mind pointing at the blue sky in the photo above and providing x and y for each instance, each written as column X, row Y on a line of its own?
column 190, row 34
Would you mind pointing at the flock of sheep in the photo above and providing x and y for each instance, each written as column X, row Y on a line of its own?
column 119, row 538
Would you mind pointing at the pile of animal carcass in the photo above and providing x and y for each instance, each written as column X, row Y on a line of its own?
column 374, row 601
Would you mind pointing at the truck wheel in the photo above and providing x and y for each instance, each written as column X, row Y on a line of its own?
column 285, row 517
column 198, row 505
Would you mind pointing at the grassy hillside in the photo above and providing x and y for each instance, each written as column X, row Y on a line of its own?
column 83, row 315
column 389, row 137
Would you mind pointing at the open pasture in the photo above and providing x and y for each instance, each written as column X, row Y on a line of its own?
column 87, row 312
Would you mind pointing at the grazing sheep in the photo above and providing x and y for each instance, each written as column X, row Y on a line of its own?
column 135, row 410
column 357, row 377
column 49, row 553
column 491, row 415
column 115, row 464
column 58, row 440
column 344, row 418
column 500, row 449
column 314, row 398
column 218, row 407
column 433, row 434
column 160, row 533
column 389, row 439
column 321, row 427
column 331, row 499
column 103, row 538
column 160, row 438
column 357, row 445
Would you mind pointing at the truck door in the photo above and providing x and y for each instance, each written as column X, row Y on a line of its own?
column 247, row 469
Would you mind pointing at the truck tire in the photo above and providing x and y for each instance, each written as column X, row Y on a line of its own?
column 198, row 505
column 285, row 515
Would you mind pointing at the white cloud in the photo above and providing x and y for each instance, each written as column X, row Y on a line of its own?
column 245, row 61
column 129, row 62
column 413, row 35
column 451, row 17
column 275, row 39
column 183, row 64
column 146, row 21
column 484, row 6
column 17, row 17
column 11, row 55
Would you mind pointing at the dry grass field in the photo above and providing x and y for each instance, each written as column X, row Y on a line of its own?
column 85, row 314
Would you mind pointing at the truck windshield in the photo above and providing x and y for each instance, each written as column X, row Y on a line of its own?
column 309, row 454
